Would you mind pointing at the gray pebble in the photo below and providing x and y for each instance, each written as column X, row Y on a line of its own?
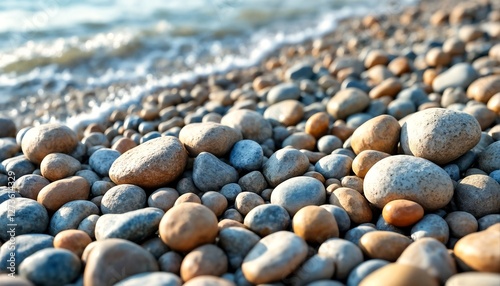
column 25, row 245
column 487, row 221
column 431, row 225
column 300, row 71
column 383, row 225
column 70, row 215
column 237, row 242
column 99, row 188
column 495, row 175
column 296, row 193
column 328, row 143
column 341, row 217
column 267, row 219
column 400, row 108
column 88, row 225
column 8, row 148
column 285, row 164
column 232, row 214
column 346, row 255
column 334, row 166
column 122, row 199
column 253, row 182
column 20, row 166
column 88, row 175
column 246, row 201
column 170, row 262
column 246, row 155
column 453, row 171
column 354, row 234
column 211, row 174
column 21, row 216
column 231, row 191
column 459, row 75
column 376, row 108
column 357, row 119
column 102, row 160
column 364, row 269
column 283, row 91
column 95, row 139
column 415, row 94
column 155, row 246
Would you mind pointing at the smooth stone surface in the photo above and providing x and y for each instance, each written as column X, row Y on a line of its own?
column 459, row 75
column 474, row 278
column 210, row 137
column 314, row 224
column 341, row 217
column 334, row 166
column 57, row 193
column 51, row 267
column 73, row 240
column 398, row 274
column 29, row 186
column 22, row 216
column 354, row 234
column 479, row 251
column 56, row 166
column 123, row 198
column 440, row 135
column 48, row 138
column 253, row 182
column 101, row 160
column 151, row 279
column 478, row 195
column 298, row 192
column 187, row 226
column 430, row 255
column 410, row 178
column 246, row 155
column 206, row 280
column 380, row 134
column 484, row 88
column 384, row 245
column 431, row 225
column 163, row 198
column 353, row 203
column 25, row 245
column 402, row 213
column 150, row 165
column 461, row 223
column 70, row 215
column 284, row 164
column 120, row 258
column 315, row 268
column 347, row 102
column 488, row 220
column 211, row 174
column 274, row 257
column 267, row 219
column 283, row 91
column 345, row 254
column 134, row 226
column 252, row 124
column 288, row 112
column 363, row 162
column 207, row 259
column 489, row 159
column 8, row 128
column 236, row 243
column 364, row 269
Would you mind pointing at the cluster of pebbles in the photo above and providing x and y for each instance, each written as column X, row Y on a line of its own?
column 368, row 157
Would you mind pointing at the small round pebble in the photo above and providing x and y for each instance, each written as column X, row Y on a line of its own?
column 72, row 240
column 122, row 199
column 431, row 225
column 56, row 166
column 215, row 202
column 298, row 192
column 246, row 155
column 247, row 201
column 402, row 213
column 461, row 223
column 267, row 219
column 314, row 224
column 207, row 259
column 102, row 159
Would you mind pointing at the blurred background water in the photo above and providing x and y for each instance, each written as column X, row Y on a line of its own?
column 50, row 45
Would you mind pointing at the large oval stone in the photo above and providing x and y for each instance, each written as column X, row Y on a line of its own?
column 150, row 165
column 410, row 178
column 209, row 137
column 439, row 135
column 296, row 193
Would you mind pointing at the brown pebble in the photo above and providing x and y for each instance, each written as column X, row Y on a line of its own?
column 365, row 160
column 376, row 57
column 72, row 239
column 402, row 213
column 204, row 260
column 187, row 198
column 123, row 145
column 56, row 166
column 28, row 186
column 435, row 57
column 389, row 87
column 484, row 88
column 225, row 223
column 385, row 245
column 215, row 202
column 398, row 275
column 315, row 224
column 57, row 193
column 479, row 251
column 353, row 203
column 399, row 66
column 318, row 124
column 380, row 133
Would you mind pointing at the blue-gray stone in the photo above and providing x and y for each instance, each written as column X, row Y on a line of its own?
column 25, row 245
column 357, row 119
column 151, row 279
column 459, row 75
column 453, row 170
column 415, row 94
column 298, row 192
column 132, row 122
column 253, row 182
column 8, row 148
column 123, row 198
column 495, row 175
column 99, row 188
column 465, row 161
column 51, row 266
column 334, row 166
column 283, row 92
column 487, row 221
column 231, row 191
column 364, row 269
column 349, row 82
column 102, row 159
column 8, row 193
column 328, row 143
column 149, row 136
column 211, row 174
column 133, row 226
column 383, row 225
column 400, row 108
column 354, row 234
column 70, row 215
column 431, row 225
column 246, row 155
column 267, row 219
column 19, row 166
column 236, row 243
column 88, row 225
column 156, row 247
column 300, row 71
column 376, row 108
column 344, row 151
column 341, row 217
column 88, row 175
column 22, row 216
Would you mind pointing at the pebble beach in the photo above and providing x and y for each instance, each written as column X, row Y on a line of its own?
column 369, row 156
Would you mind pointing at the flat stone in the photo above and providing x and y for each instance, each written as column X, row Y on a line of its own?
column 459, row 75
column 296, row 193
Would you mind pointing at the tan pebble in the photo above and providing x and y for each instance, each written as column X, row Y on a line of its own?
column 347, row 102
column 369, row 21
column 494, row 52
column 399, row 66
column 482, row 89
column 57, row 166
column 215, row 202
column 479, row 251
column 57, row 193
column 397, row 275
column 207, row 280
column 209, row 137
column 474, row 278
column 435, row 57
column 439, row 17
column 343, row 132
column 315, row 175
column 365, row 160
column 454, row 47
column 288, row 112
column 123, row 145
column 389, row 87
column 204, row 260
column 73, row 240
column 225, row 223
column 149, row 114
column 380, row 133
column 261, row 82
column 187, row 198
column 353, row 203
column 483, row 115
column 163, row 198
column 246, row 201
column 429, row 76
column 376, row 57
column 318, row 124
column 300, row 140
column 187, row 226
column 494, row 103
column 469, row 33
column 353, row 182
column 93, row 127
column 378, row 74
column 315, row 224
column 402, row 213
column 385, row 245
column 427, row 105
column 28, row 186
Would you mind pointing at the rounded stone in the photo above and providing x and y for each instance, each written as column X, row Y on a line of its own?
column 314, row 224
column 210, row 137
column 439, row 135
column 284, row 164
column 187, row 226
column 57, row 166
column 267, row 219
column 315, row 268
column 410, row 178
column 364, row 269
column 150, row 165
column 22, row 216
column 353, row 203
column 489, row 159
column 431, row 225
column 207, row 259
column 246, row 155
column 5, row 279
column 478, row 195
column 101, row 160
column 274, row 257
column 386, row 245
column 282, row 92
column 71, row 215
column 231, row 191
column 380, row 133
column 334, row 166
column 51, row 267
column 88, row 225
column 402, row 213
column 318, row 124
column 487, row 221
column 347, row 102
column 253, row 182
column 247, row 201
column 154, row 278
column 236, row 243
column 25, row 245
column 341, row 217
column 461, row 223
column 345, row 254
column 206, row 280
column 120, row 258
column 252, row 124
column 8, row 128
column 42, row 140
column 187, row 197
column 163, row 198
column 300, row 140
column 170, row 262
column 430, row 255
column 124, row 144
column 211, row 174
column 479, row 251
column 484, row 88
column 288, row 112
column 328, row 143
column 474, row 278
column 29, row 186
column 363, row 162
column 296, row 193
column 215, row 202
column 397, row 274
column 123, row 198
column 72, row 240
